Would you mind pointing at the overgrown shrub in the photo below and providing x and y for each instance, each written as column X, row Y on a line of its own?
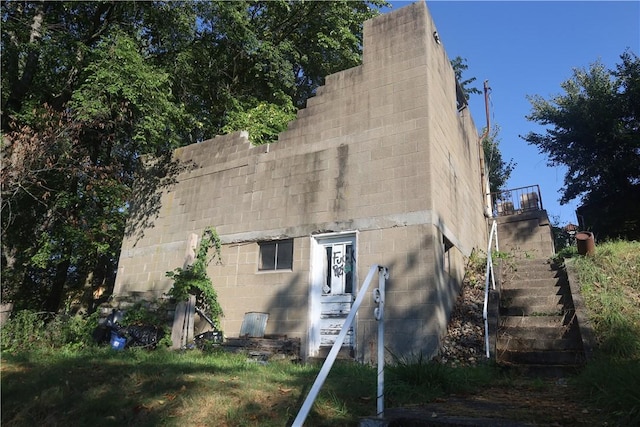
column 142, row 313
column 476, row 266
column 565, row 253
column 30, row 330
column 23, row 331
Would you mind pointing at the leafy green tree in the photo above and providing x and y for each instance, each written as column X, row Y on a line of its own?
column 89, row 88
column 71, row 147
column 77, row 172
column 460, row 66
column 499, row 170
column 593, row 129
column 263, row 122
column 247, row 55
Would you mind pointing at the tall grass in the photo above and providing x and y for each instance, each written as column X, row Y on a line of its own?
column 610, row 285
column 415, row 378
column 29, row 330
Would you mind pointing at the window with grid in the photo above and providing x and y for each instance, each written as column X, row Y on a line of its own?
column 276, row 255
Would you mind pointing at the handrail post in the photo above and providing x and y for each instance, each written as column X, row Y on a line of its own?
column 333, row 353
column 378, row 297
column 539, row 196
column 489, row 272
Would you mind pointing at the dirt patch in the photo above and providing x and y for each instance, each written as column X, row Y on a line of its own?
column 548, row 403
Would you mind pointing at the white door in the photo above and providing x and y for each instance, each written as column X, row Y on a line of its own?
column 333, row 289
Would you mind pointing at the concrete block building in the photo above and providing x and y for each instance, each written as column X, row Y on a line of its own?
column 381, row 167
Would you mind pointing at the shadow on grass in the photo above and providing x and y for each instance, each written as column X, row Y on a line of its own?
column 94, row 389
column 106, row 388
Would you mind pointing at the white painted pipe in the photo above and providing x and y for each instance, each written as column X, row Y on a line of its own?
column 333, row 353
column 384, row 274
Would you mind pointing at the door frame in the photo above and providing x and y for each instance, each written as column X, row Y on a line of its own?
column 316, row 279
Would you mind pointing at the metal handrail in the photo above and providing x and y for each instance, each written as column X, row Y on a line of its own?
column 489, row 273
column 383, row 274
column 516, row 200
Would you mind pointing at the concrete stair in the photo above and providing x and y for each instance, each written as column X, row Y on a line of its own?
column 537, row 329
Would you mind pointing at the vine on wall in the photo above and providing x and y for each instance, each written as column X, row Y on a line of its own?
column 194, row 280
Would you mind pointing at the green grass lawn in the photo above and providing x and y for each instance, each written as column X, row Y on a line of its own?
column 610, row 285
column 78, row 384
column 100, row 386
column 136, row 387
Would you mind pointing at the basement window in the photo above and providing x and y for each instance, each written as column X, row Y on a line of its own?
column 276, row 255
column 446, row 259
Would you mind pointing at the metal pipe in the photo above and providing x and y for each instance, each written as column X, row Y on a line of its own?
column 333, row 353
column 489, row 271
column 484, row 181
column 485, row 313
column 205, row 317
column 540, row 196
column 379, row 314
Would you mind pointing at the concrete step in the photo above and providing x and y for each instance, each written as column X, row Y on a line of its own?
column 533, row 299
column 526, row 274
column 540, row 320
column 546, row 270
column 542, row 283
column 532, row 310
column 538, row 333
column 542, row 357
column 533, row 292
column 544, row 370
column 537, row 262
column 526, row 268
column 505, row 342
column 532, row 322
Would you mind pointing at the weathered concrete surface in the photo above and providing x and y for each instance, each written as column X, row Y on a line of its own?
column 381, row 151
column 526, row 235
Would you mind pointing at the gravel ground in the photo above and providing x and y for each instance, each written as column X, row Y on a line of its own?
column 464, row 342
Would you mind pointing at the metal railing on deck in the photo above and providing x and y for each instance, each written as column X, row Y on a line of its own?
column 489, row 275
column 516, row 200
column 378, row 296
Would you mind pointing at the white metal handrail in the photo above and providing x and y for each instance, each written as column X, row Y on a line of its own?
column 489, row 273
column 383, row 274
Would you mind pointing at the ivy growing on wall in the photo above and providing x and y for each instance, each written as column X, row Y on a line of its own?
column 194, row 280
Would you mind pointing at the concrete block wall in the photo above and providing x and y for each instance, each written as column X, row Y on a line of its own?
column 380, row 150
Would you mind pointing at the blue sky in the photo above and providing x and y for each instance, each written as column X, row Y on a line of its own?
column 529, row 48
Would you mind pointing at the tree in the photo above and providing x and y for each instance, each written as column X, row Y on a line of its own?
column 459, row 65
column 69, row 174
column 89, row 88
column 72, row 141
column 499, row 170
column 248, row 55
column 593, row 129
